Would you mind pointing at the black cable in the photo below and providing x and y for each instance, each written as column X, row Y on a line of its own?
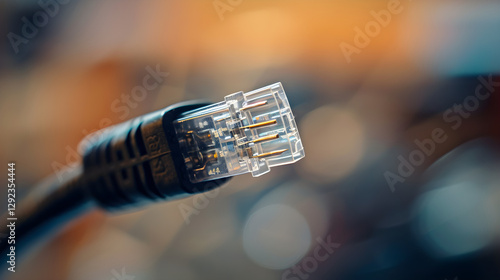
column 184, row 149
column 52, row 205
column 127, row 165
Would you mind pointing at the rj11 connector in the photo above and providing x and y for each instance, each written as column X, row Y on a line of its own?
column 247, row 132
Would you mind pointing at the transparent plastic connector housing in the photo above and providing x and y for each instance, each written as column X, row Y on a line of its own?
column 247, row 132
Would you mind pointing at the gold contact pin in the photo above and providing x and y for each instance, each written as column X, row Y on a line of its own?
column 266, row 138
column 253, row 105
column 270, row 154
column 221, row 119
column 271, row 122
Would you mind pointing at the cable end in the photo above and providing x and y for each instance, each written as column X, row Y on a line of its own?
column 247, row 132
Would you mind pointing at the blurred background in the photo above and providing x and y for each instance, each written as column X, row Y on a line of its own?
column 397, row 104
